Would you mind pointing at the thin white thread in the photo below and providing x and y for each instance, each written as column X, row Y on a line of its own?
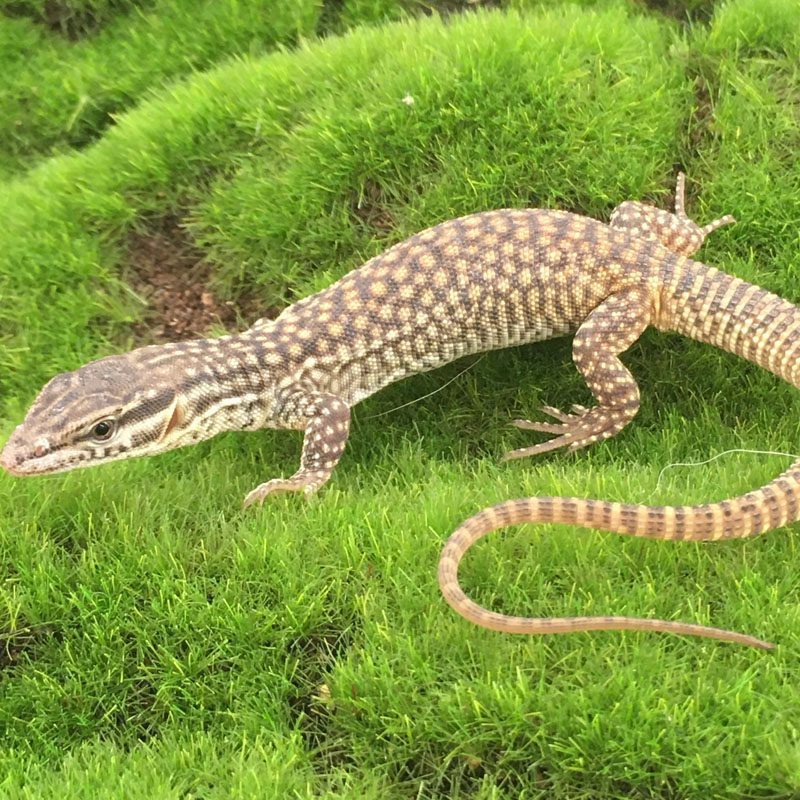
column 430, row 394
column 719, row 455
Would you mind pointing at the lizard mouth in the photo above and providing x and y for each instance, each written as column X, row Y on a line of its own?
column 21, row 460
column 10, row 465
column 20, row 466
column 9, row 459
column 14, row 464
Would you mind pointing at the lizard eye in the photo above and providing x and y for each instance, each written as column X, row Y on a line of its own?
column 103, row 430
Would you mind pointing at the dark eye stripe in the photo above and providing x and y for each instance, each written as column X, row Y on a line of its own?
column 147, row 409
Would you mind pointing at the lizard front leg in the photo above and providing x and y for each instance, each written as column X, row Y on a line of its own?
column 608, row 331
column 327, row 424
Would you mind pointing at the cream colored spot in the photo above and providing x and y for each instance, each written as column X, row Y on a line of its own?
column 522, row 233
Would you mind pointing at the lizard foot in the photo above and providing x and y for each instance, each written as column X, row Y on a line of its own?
column 547, row 427
column 307, row 483
column 582, row 427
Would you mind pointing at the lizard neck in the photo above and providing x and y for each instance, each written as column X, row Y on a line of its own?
column 710, row 306
column 222, row 383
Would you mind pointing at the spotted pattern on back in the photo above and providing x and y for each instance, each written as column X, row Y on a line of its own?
column 477, row 283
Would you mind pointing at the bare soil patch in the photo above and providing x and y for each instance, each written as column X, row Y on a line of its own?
column 171, row 274
column 73, row 21
column 371, row 209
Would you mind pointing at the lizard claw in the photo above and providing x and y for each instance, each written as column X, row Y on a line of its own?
column 277, row 485
column 541, row 427
column 576, row 430
column 548, row 427
column 556, row 413
column 570, row 441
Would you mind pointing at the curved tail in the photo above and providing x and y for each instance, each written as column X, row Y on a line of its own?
column 772, row 506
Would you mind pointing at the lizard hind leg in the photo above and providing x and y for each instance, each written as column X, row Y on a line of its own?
column 676, row 231
column 608, row 331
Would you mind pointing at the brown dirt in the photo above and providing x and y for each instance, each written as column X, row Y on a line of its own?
column 680, row 10
column 14, row 644
column 702, row 114
column 370, row 208
column 68, row 19
column 171, row 275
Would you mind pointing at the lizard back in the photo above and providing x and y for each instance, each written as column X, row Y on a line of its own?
column 481, row 282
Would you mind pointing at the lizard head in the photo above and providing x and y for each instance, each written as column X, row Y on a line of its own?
column 141, row 403
column 105, row 411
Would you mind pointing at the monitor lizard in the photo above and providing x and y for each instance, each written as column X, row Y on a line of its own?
column 480, row 282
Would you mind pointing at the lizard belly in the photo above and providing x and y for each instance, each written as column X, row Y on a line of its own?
column 408, row 352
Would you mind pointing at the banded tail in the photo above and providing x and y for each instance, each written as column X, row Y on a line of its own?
column 710, row 306
column 769, row 507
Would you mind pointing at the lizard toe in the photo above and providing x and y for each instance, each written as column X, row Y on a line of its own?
column 276, row 485
column 584, row 427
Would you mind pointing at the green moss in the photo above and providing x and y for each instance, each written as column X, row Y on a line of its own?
column 70, row 18
column 59, row 94
column 756, row 27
